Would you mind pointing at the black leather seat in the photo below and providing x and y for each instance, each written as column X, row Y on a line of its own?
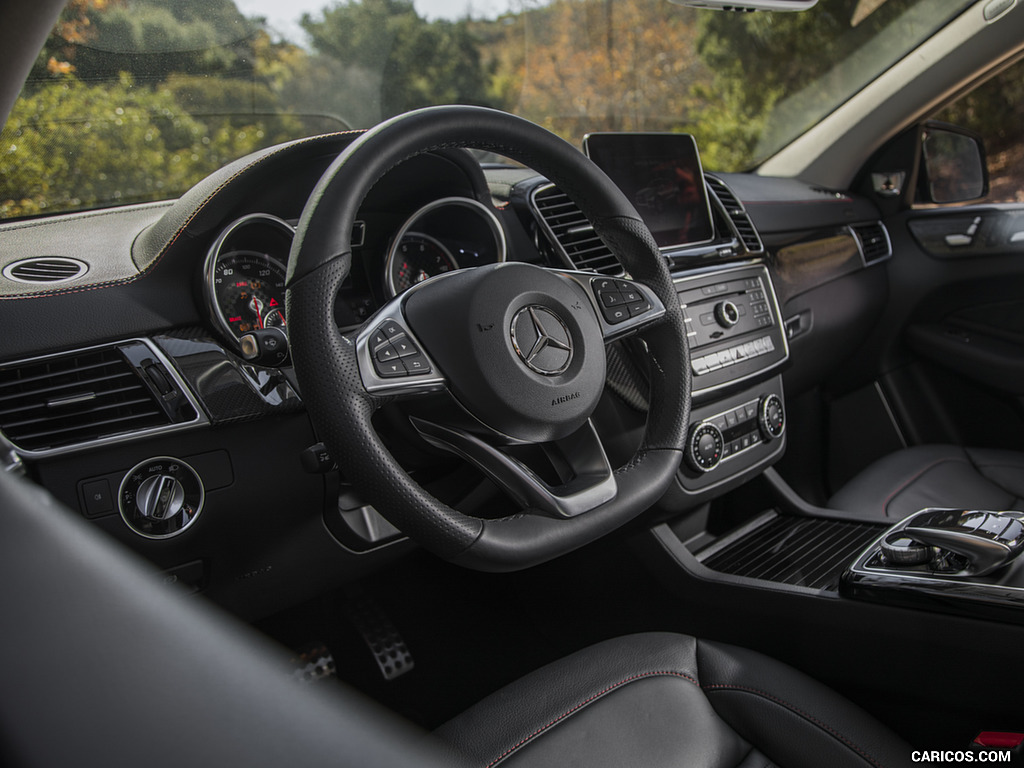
column 661, row 699
column 935, row 476
column 135, row 673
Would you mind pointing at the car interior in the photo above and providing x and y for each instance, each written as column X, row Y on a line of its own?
column 564, row 455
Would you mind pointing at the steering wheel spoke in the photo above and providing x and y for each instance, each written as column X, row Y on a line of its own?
column 586, row 477
column 392, row 360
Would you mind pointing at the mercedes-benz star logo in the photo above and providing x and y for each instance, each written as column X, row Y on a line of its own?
column 541, row 340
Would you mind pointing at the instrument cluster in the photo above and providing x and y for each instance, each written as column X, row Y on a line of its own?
column 245, row 268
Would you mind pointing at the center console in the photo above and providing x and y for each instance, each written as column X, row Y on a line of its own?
column 953, row 560
column 737, row 345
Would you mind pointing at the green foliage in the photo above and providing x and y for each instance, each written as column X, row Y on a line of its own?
column 409, row 61
column 109, row 115
column 72, row 145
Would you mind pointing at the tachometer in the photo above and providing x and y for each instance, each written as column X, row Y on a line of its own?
column 416, row 258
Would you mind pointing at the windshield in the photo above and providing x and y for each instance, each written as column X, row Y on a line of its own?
column 136, row 100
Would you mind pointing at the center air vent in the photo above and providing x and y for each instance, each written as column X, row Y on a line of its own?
column 874, row 242
column 54, row 403
column 52, row 269
column 572, row 233
column 737, row 214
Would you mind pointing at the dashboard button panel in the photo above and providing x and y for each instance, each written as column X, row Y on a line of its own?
column 733, row 325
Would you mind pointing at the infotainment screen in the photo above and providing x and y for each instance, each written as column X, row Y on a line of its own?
column 661, row 175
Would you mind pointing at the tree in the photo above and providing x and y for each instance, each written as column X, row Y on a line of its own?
column 780, row 72
column 576, row 66
column 137, row 100
column 385, row 51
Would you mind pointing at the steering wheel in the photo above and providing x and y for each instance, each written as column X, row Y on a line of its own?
column 518, row 348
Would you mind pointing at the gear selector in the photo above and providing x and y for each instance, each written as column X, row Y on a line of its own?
column 956, row 541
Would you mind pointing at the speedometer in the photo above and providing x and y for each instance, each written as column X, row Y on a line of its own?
column 442, row 236
column 245, row 275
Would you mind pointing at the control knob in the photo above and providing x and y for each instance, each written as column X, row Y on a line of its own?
column 704, row 448
column 160, row 497
column 726, row 314
column 899, row 549
column 771, row 417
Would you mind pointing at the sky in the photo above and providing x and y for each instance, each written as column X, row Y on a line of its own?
column 283, row 17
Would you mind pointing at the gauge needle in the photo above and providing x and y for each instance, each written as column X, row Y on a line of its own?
column 257, row 306
column 421, row 276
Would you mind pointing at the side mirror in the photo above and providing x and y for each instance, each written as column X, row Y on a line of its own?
column 953, row 167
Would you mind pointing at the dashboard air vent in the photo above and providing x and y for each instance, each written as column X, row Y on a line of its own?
column 569, row 228
column 874, row 242
column 65, row 400
column 52, row 269
column 737, row 215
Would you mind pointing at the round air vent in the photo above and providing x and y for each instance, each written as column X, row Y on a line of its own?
column 46, row 269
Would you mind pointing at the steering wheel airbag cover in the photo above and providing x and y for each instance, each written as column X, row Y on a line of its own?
column 466, row 323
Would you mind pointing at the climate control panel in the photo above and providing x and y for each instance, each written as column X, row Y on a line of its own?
column 732, row 432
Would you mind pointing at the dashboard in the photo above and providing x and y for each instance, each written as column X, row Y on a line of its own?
column 147, row 404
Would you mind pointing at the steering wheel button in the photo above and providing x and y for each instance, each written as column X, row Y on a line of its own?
column 390, row 370
column 615, row 314
column 386, row 353
column 416, row 364
column 611, row 298
column 378, row 339
column 631, row 296
column 404, row 347
column 392, row 329
column 638, row 307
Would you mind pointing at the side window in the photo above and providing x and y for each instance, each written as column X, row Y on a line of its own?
column 995, row 111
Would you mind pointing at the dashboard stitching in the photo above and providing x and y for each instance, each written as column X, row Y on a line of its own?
column 170, row 243
column 82, row 216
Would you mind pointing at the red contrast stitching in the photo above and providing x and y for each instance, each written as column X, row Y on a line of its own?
column 787, row 705
column 585, row 702
column 199, row 209
column 908, row 483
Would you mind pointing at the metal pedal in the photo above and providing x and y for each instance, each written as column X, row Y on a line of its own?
column 314, row 664
column 382, row 638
